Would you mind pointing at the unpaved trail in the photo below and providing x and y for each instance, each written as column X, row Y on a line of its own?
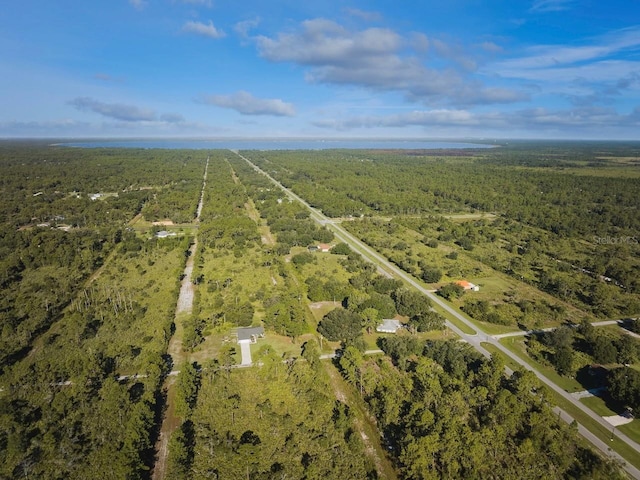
column 362, row 423
column 184, row 306
column 187, row 288
column 169, row 425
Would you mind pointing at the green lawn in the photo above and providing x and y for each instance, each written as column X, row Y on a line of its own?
column 508, row 361
column 602, row 433
column 632, row 430
column 283, row 346
column 599, row 405
column 517, row 346
column 454, row 320
column 320, row 309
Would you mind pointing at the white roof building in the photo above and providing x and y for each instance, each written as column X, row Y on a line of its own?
column 389, row 325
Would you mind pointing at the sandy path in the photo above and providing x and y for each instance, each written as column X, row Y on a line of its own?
column 187, row 289
column 170, row 422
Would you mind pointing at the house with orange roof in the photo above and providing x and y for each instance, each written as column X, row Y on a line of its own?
column 468, row 285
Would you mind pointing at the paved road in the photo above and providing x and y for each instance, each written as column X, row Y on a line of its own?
column 475, row 339
column 595, row 324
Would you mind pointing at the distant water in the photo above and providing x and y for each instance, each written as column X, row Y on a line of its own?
column 256, row 144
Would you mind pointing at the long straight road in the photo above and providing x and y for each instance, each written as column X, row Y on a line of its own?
column 523, row 333
column 476, row 339
column 183, row 307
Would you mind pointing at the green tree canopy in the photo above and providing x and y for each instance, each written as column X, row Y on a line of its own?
column 340, row 325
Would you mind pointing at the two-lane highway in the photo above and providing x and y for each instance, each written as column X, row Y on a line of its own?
column 476, row 339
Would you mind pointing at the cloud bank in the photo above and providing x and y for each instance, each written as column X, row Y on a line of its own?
column 123, row 112
column 380, row 59
column 246, row 104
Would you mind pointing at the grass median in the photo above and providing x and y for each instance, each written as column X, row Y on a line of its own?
column 604, row 434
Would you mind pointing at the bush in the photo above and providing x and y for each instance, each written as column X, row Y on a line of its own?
column 411, row 302
column 302, row 258
column 450, row 291
column 341, row 249
column 340, row 325
column 624, row 386
column 432, row 243
column 427, row 321
column 431, row 275
column 465, row 243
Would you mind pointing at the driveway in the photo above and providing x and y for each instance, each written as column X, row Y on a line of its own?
column 245, row 350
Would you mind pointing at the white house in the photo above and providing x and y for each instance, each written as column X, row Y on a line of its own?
column 389, row 325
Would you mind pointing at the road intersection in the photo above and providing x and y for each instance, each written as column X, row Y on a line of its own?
column 475, row 339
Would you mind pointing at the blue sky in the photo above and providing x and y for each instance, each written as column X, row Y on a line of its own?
column 222, row 68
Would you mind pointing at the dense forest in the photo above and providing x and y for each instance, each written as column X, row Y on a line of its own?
column 445, row 412
column 89, row 294
column 546, row 216
column 87, row 301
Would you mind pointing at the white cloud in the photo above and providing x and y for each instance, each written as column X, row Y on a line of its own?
column 535, row 120
column 364, row 15
column 118, row 111
column 420, row 42
column 172, row 118
column 324, row 42
column 417, row 117
column 206, row 3
column 593, row 72
column 206, row 29
column 382, row 60
column 555, row 56
column 543, row 6
column 247, row 104
column 491, row 47
column 243, row 27
column 604, row 71
column 138, row 4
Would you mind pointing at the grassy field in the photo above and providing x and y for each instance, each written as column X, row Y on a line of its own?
column 517, row 346
column 140, row 225
column 466, row 217
column 324, row 264
column 604, row 434
column 508, row 361
column 320, row 309
column 235, row 280
column 598, row 405
column 498, row 288
column 604, row 408
column 462, row 326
